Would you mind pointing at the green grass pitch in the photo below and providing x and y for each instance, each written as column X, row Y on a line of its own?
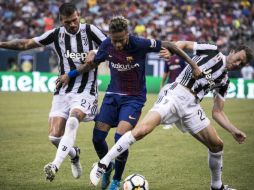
column 168, row 159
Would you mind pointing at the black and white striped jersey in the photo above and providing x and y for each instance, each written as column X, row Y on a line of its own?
column 71, row 49
column 213, row 63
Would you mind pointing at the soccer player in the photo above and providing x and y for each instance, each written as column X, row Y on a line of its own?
column 172, row 68
column 126, row 93
column 178, row 103
column 77, row 101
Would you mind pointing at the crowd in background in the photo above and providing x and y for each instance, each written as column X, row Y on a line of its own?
column 223, row 22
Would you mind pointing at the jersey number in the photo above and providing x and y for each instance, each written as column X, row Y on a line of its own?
column 201, row 116
column 83, row 103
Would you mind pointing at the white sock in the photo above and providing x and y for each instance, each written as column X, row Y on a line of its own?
column 122, row 144
column 67, row 141
column 215, row 165
column 56, row 140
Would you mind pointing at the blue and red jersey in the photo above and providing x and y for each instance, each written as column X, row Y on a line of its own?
column 174, row 66
column 127, row 66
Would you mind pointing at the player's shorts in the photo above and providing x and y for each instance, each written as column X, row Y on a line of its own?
column 116, row 108
column 176, row 104
column 63, row 104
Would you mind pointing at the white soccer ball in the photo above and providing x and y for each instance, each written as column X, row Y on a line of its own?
column 135, row 182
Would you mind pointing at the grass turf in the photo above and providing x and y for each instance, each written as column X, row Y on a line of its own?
column 167, row 158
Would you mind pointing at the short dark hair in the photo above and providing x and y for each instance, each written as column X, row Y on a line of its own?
column 118, row 24
column 67, row 9
column 248, row 51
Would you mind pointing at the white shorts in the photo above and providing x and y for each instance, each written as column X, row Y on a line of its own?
column 63, row 104
column 178, row 105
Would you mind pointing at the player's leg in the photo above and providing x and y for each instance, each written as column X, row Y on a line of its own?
column 209, row 137
column 107, row 117
column 65, row 147
column 82, row 107
column 129, row 113
column 120, row 160
column 100, row 133
column 56, row 131
column 196, row 122
column 151, row 120
column 57, row 121
column 68, row 140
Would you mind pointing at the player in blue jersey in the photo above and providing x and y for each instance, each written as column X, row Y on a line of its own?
column 126, row 92
column 172, row 68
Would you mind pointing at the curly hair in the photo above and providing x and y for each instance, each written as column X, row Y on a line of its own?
column 118, row 24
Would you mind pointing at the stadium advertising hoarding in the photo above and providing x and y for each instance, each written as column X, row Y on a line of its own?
column 45, row 82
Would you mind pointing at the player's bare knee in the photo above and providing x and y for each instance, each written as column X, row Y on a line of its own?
column 56, row 131
column 102, row 126
column 216, row 147
column 77, row 114
column 57, row 134
column 140, row 132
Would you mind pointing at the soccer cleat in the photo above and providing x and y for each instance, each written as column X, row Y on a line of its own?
column 96, row 173
column 114, row 185
column 50, row 171
column 223, row 187
column 76, row 167
column 106, row 176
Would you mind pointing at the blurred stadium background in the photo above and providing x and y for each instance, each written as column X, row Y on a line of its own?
column 23, row 116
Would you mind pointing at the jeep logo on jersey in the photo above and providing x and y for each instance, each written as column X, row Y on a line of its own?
column 208, row 76
column 73, row 55
column 123, row 67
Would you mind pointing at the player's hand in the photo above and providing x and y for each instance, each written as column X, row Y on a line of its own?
column 58, row 83
column 239, row 136
column 64, row 80
column 90, row 57
column 197, row 73
column 164, row 53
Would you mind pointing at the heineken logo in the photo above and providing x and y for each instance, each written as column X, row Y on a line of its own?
column 45, row 82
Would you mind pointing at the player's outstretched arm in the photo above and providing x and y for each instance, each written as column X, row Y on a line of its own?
column 220, row 117
column 19, row 44
column 63, row 80
column 173, row 48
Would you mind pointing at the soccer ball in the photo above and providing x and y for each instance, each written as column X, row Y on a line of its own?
column 135, row 182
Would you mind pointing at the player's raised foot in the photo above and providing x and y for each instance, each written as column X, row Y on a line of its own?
column 96, row 173
column 223, row 187
column 106, row 176
column 50, row 171
column 76, row 167
column 114, row 185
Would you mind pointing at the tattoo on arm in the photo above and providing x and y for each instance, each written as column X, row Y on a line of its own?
column 19, row 44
